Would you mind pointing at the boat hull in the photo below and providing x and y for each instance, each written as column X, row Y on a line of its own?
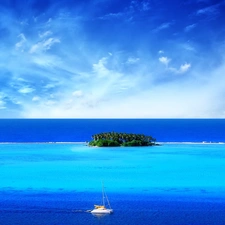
column 102, row 211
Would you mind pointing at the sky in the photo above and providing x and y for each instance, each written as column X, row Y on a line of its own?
column 112, row 59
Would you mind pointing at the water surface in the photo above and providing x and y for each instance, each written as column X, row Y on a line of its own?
column 168, row 184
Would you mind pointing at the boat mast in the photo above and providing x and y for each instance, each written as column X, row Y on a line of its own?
column 108, row 201
column 103, row 196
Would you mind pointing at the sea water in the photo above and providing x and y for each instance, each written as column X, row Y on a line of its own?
column 76, row 130
column 57, row 183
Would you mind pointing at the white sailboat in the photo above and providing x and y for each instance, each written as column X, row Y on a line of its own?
column 105, row 207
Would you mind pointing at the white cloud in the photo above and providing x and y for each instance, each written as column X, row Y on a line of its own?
column 112, row 16
column 163, row 26
column 26, row 90
column 184, row 67
column 139, row 5
column 20, row 44
column 164, row 60
column 45, row 34
column 49, row 20
column 50, row 103
column 211, row 10
column 78, row 93
column 188, row 46
column 44, row 45
column 50, row 85
column 100, row 68
column 35, row 48
column 190, row 27
column 2, row 104
column 190, row 98
column 46, row 60
column 92, row 94
column 160, row 51
column 132, row 60
column 36, row 98
column 146, row 6
column 173, row 101
column 49, row 42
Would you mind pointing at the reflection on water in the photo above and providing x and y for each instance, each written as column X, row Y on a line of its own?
column 99, row 216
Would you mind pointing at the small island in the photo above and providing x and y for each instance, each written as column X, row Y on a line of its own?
column 113, row 139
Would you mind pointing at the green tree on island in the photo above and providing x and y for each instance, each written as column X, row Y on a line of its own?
column 108, row 139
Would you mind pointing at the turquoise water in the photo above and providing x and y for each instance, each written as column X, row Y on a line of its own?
column 82, row 168
column 50, row 181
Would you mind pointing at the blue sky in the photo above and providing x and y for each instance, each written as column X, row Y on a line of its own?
column 112, row 59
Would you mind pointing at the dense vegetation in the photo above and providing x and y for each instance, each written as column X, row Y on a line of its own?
column 110, row 139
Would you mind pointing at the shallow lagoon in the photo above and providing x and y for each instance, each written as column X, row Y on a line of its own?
column 168, row 184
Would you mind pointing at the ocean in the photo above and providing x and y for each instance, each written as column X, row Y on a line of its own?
column 50, row 176
column 81, row 130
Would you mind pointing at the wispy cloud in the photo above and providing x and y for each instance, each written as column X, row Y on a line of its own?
column 182, row 69
column 190, row 27
column 146, row 5
column 140, row 5
column 163, row 26
column 44, row 45
column 112, row 16
column 100, row 69
column 19, row 45
column 132, row 60
column 2, row 102
column 211, row 10
column 78, row 93
column 26, row 90
column 188, row 46
column 164, row 60
column 36, row 98
column 132, row 9
column 45, row 34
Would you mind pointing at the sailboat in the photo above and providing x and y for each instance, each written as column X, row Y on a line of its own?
column 102, row 209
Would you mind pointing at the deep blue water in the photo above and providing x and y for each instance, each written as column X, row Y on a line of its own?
column 69, row 209
column 79, row 130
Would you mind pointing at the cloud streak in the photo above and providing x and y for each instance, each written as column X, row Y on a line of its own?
column 44, row 45
column 163, row 26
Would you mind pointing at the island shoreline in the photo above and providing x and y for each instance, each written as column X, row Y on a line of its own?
column 86, row 143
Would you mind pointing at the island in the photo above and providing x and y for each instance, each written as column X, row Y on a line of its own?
column 113, row 139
